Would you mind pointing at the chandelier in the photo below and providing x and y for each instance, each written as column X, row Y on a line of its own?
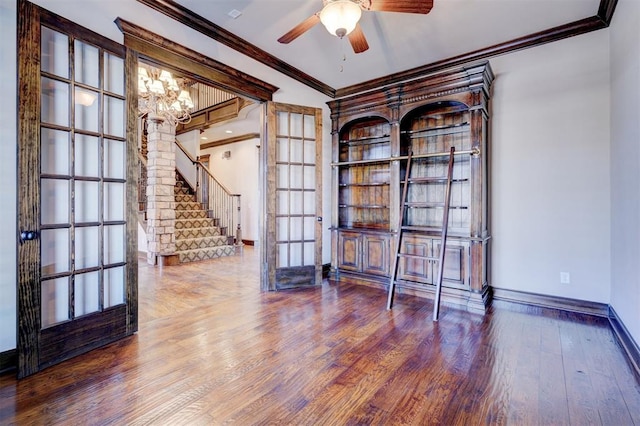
column 161, row 98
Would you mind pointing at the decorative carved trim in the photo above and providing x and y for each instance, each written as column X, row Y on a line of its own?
column 158, row 49
column 227, row 141
column 554, row 302
column 457, row 81
column 219, row 34
column 629, row 346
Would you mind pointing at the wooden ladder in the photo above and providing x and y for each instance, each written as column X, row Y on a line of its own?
column 402, row 227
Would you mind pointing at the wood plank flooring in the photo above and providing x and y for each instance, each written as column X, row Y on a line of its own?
column 212, row 349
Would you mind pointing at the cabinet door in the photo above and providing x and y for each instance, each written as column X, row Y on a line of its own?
column 416, row 269
column 456, row 261
column 349, row 256
column 375, row 254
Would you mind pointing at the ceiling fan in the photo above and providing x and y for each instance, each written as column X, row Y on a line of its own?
column 341, row 17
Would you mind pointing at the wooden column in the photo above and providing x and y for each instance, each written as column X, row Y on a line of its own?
column 161, row 180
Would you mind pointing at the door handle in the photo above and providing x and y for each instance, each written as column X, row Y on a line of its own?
column 28, row 235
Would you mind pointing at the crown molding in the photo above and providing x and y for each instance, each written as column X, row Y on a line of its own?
column 192, row 20
column 600, row 20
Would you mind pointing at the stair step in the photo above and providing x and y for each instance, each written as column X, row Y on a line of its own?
column 181, row 190
column 191, row 214
column 186, row 233
column 204, row 254
column 194, row 223
column 188, row 205
column 185, row 198
column 201, row 242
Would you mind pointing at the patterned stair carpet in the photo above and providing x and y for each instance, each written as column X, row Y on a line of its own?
column 197, row 236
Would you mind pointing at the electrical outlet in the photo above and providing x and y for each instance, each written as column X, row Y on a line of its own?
column 565, row 278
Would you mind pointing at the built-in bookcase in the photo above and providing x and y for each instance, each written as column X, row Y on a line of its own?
column 434, row 129
column 364, row 175
column 373, row 135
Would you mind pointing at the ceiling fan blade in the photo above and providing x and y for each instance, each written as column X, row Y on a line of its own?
column 300, row 29
column 357, row 40
column 404, row 6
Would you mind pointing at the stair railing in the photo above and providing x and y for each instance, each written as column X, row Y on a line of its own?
column 219, row 202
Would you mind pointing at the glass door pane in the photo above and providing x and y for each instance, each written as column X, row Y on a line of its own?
column 82, row 179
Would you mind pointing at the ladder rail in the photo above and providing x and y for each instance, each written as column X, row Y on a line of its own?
column 394, row 268
column 443, row 240
column 443, row 235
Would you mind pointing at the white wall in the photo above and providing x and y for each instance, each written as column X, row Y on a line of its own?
column 8, row 143
column 625, row 164
column 240, row 174
column 142, row 238
column 190, row 141
column 550, row 169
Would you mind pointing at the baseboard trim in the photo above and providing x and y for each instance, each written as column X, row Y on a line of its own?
column 326, row 270
column 8, row 361
column 554, row 302
column 629, row 346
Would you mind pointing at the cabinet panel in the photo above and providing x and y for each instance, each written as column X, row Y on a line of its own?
column 414, row 269
column 375, row 254
column 456, row 261
column 349, row 257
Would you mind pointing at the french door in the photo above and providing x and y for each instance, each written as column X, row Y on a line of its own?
column 76, row 268
column 292, row 254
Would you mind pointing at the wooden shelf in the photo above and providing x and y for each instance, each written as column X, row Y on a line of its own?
column 363, row 184
column 437, row 131
column 361, row 162
column 365, row 140
column 363, row 206
column 427, row 180
column 414, row 205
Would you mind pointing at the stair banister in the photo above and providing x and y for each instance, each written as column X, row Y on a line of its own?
column 219, row 202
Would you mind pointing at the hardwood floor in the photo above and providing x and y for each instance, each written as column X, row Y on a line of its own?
column 213, row 349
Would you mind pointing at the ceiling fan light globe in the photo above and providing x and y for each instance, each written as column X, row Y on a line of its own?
column 340, row 17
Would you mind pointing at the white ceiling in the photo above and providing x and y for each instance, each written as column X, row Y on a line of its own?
column 397, row 41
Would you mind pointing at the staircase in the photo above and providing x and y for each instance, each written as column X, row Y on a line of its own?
column 198, row 237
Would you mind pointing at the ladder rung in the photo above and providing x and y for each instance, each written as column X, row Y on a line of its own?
column 417, row 256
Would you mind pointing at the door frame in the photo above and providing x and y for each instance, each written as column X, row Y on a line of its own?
column 29, row 333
